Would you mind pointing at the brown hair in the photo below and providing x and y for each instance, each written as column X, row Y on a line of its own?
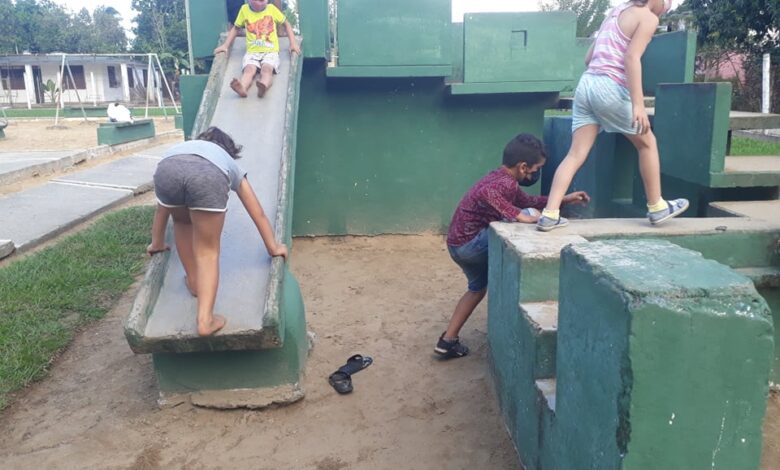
column 219, row 137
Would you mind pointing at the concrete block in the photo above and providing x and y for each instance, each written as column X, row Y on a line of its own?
column 538, row 257
column 663, row 359
column 113, row 133
column 132, row 173
column 541, row 320
column 33, row 216
column 6, row 248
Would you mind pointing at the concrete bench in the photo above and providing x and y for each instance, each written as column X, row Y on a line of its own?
column 113, row 133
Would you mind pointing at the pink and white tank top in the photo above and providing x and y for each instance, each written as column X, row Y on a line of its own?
column 610, row 48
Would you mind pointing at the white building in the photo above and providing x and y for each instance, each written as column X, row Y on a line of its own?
column 97, row 79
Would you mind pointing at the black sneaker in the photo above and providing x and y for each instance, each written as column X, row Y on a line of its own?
column 450, row 349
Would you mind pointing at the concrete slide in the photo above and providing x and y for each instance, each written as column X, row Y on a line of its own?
column 256, row 294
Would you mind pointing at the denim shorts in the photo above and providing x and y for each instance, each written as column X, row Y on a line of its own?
column 602, row 101
column 472, row 257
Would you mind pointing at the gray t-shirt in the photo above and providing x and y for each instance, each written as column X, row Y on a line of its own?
column 214, row 154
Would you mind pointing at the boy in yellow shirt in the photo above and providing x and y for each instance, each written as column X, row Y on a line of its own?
column 262, row 45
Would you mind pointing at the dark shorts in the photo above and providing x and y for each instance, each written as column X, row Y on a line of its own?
column 472, row 257
column 191, row 181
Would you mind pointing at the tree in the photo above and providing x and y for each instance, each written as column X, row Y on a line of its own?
column 746, row 25
column 590, row 13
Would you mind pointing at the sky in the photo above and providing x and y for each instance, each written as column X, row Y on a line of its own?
column 458, row 7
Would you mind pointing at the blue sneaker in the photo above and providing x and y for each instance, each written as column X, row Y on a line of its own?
column 676, row 207
column 545, row 224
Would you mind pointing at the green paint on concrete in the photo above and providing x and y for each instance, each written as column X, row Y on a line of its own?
column 734, row 248
column 191, row 87
column 515, row 47
column 390, row 71
column 208, row 19
column 314, row 28
column 657, row 352
column 88, row 111
column 178, row 121
column 541, row 319
column 113, row 133
column 233, row 370
column 693, row 109
column 669, row 58
column 398, row 33
column 395, row 155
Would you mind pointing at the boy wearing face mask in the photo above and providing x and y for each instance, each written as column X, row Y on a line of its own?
column 497, row 196
column 262, row 45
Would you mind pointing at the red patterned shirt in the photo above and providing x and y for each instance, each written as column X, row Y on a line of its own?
column 497, row 196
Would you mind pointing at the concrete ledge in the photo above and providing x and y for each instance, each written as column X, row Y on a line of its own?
column 366, row 71
column 31, row 217
column 6, row 248
column 69, row 161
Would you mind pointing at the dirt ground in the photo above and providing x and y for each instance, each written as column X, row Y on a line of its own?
column 34, row 135
column 387, row 297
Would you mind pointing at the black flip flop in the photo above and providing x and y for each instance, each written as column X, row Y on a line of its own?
column 341, row 380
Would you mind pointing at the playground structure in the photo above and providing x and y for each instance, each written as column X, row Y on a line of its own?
column 384, row 134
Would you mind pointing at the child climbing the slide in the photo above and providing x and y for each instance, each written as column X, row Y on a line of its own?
column 262, row 45
column 609, row 97
column 191, row 184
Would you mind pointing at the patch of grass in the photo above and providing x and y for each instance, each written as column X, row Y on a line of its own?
column 46, row 297
column 745, row 146
column 557, row 112
column 75, row 112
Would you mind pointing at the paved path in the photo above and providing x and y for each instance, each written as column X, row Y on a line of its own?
column 30, row 217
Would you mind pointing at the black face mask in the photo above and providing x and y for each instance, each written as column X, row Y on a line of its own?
column 531, row 179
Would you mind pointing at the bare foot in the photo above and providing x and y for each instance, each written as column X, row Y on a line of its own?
column 261, row 88
column 216, row 324
column 187, row 284
column 236, row 86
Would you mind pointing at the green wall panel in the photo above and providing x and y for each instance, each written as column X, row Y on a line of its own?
column 191, row 87
column 669, row 58
column 401, row 32
column 314, row 28
column 208, row 19
column 518, row 47
column 691, row 124
column 395, row 155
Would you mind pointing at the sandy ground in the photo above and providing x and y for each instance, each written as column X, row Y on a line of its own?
column 388, row 297
column 33, row 135
column 408, row 410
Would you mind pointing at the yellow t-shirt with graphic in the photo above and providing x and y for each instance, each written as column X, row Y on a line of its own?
column 260, row 28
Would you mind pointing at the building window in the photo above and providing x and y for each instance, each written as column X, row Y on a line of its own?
column 130, row 77
column 112, row 81
column 78, row 77
column 13, row 78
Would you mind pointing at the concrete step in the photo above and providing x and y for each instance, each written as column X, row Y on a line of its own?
column 545, row 389
column 541, row 318
column 757, row 210
column 743, row 172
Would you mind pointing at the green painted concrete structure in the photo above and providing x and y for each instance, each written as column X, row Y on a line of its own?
column 401, row 111
column 626, row 322
column 114, row 133
column 622, row 392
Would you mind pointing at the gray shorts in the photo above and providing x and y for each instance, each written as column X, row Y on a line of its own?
column 191, row 181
